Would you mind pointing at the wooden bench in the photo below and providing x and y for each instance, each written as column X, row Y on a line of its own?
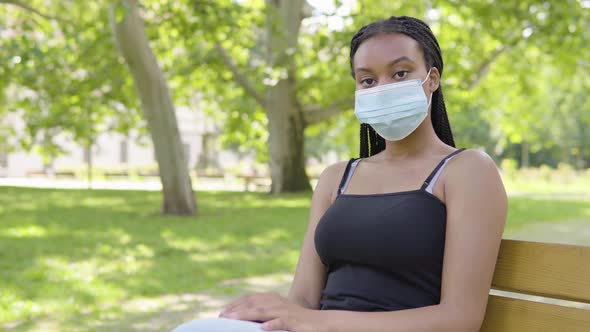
column 258, row 180
column 552, row 271
column 116, row 174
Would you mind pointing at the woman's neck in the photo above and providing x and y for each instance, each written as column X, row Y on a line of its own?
column 422, row 141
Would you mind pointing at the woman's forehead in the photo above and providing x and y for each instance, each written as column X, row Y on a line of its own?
column 385, row 48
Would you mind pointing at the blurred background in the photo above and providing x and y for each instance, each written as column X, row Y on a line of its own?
column 157, row 157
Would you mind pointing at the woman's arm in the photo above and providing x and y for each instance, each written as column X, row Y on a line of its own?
column 310, row 274
column 476, row 214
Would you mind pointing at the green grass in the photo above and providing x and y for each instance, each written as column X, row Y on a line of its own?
column 73, row 253
column 543, row 180
column 523, row 211
column 73, row 256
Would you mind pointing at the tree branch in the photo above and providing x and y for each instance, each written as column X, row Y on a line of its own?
column 485, row 65
column 26, row 7
column 239, row 77
column 314, row 114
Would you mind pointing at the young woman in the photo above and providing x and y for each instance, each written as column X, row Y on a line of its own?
column 404, row 238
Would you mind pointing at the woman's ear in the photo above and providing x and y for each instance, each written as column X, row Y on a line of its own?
column 434, row 79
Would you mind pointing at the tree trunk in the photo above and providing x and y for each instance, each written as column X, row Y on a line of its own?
column 157, row 107
column 524, row 154
column 285, row 115
column 285, row 124
column 582, row 143
column 88, row 152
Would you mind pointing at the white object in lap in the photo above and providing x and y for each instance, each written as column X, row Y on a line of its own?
column 220, row 325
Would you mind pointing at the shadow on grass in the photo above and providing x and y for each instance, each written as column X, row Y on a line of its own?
column 72, row 255
column 166, row 312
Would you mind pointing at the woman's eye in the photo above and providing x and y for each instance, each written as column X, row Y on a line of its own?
column 400, row 74
column 367, row 82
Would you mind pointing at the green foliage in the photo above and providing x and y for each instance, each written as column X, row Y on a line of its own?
column 65, row 77
column 507, row 74
column 515, row 72
column 514, row 62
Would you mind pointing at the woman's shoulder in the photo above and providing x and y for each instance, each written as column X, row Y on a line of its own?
column 330, row 178
column 334, row 172
column 474, row 158
column 472, row 164
column 474, row 182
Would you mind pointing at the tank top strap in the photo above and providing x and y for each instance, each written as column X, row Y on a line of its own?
column 433, row 177
column 350, row 167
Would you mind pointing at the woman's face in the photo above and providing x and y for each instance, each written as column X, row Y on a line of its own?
column 390, row 58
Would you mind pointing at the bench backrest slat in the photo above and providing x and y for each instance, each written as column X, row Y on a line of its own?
column 545, row 269
column 514, row 315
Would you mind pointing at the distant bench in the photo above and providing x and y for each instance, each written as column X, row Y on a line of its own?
column 553, row 271
column 58, row 174
column 263, row 181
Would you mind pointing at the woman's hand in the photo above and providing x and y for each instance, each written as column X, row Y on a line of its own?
column 276, row 311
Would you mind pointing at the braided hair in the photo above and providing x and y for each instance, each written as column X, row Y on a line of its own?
column 371, row 143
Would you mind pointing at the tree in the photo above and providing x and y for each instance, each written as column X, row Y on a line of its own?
column 86, row 88
column 275, row 74
column 157, row 106
column 511, row 61
column 286, row 117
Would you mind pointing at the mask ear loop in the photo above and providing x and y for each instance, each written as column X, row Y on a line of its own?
column 425, row 79
column 427, row 75
column 429, row 100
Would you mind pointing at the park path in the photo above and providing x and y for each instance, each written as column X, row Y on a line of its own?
column 166, row 312
column 123, row 184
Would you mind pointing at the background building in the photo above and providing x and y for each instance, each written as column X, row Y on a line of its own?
column 114, row 151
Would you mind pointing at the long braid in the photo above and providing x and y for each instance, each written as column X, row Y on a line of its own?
column 420, row 32
column 372, row 140
column 371, row 143
column 364, row 153
column 377, row 142
column 440, row 121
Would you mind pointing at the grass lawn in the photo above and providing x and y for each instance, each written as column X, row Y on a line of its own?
column 73, row 256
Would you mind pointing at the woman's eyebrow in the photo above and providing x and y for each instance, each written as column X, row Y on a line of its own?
column 392, row 63
column 400, row 59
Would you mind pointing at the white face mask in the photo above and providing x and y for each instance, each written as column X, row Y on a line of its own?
column 394, row 110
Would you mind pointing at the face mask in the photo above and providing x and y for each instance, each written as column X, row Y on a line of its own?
column 394, row 110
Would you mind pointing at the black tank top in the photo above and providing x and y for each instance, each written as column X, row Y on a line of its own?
column 383, row 252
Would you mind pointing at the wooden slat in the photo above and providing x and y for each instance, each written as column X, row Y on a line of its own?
column 512, row 315
column 546, row 269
